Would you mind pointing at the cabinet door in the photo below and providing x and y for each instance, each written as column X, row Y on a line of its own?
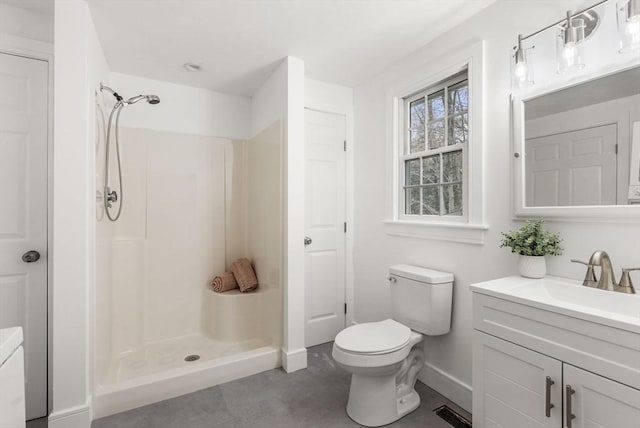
column 510, row 386
column 599, row 402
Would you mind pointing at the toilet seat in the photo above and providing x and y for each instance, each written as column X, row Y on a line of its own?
column 373, row 338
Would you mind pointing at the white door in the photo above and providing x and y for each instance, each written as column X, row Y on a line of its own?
column 23, row 215
column 599, row 402
column 572, row 168
column 325, row 227
column 513, row 386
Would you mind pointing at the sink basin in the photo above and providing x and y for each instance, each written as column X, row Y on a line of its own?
column 568, row 297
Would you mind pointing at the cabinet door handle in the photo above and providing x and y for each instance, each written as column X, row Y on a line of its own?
column 570, row 416
column 547, row 404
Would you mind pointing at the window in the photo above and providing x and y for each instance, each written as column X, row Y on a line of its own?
column 434, row 156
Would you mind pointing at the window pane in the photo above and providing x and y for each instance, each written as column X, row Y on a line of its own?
column 436, row 105
column 458, row 129
column 452, row 199
column 412, row 204
column 431, row 170
column 412, row 172
column 436, row 134
column 452, row 167
column 459, row 98
column 431, row 200
column 416, row 125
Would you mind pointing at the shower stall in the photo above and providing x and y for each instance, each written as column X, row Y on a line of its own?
column 173, row 210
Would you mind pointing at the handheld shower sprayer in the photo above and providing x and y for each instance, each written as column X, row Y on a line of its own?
column 111, row 196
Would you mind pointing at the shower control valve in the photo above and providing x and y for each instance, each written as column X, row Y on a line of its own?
column 112, row 196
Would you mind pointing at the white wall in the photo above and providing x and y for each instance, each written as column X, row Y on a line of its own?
column 281, row 97
column 184, row 109
column 448, row 358
column 79, row 65
column 15, row 21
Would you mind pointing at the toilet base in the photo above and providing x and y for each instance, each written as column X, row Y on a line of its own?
column 380, row 400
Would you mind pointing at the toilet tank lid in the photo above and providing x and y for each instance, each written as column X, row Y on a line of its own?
column 421, row 274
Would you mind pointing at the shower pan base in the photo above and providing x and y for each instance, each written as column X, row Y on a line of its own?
column 158, row 371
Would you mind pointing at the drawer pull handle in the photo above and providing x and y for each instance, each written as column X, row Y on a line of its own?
column 570, row 416
column 548, row 405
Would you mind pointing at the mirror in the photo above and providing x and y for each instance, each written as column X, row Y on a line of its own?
column 581, row 144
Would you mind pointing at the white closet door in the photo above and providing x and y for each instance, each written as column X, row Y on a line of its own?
column 600, row 402
column 23, row 215
column 572, row 168
column 325, row 213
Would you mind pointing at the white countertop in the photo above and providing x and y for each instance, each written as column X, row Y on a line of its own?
column 568, row 297
column 10, row 340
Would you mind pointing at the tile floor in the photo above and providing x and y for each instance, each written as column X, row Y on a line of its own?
column 310, row 398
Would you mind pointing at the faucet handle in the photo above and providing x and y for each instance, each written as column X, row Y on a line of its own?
column 625, row 285
column 590, row 277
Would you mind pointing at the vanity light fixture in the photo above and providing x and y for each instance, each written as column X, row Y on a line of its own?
column 570, row 35
column 628, row 15
column 521, row 71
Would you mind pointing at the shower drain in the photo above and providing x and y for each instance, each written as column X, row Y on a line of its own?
column 190, row 358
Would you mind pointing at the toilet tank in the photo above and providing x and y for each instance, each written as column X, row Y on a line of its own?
column 421, row 298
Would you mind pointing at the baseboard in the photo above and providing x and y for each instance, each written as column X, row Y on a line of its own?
column 75, row 417
column 293, row 361
column 445, row 384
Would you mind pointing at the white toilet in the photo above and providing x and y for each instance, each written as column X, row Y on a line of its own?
column 383, row 357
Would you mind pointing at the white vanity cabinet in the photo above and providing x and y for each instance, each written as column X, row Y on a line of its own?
column 537, row 359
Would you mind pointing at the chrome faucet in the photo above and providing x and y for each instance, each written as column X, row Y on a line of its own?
column 607, row 279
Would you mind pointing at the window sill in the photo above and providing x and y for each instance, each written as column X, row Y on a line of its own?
column 437, row 231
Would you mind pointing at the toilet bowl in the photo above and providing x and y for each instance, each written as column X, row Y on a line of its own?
column 385, row 357
column 383, row 373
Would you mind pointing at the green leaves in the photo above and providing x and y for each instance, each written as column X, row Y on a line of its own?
column 532, row 240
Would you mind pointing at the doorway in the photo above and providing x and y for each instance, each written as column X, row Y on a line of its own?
column 325, row 226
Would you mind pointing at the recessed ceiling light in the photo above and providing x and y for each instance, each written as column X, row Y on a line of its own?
column 192, row 67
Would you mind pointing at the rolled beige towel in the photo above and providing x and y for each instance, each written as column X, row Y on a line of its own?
column 223, row 282
column 245, row 276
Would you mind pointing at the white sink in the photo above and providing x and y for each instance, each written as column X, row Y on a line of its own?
column 568, row 297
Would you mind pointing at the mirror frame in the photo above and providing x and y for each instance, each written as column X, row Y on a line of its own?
column 604, row 213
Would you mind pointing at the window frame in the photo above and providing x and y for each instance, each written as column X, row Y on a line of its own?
column 425, row 70
column 406, row 155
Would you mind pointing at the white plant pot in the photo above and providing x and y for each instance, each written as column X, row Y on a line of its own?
column 532, row 266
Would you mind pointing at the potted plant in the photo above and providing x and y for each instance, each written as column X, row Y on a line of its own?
column 532, row 243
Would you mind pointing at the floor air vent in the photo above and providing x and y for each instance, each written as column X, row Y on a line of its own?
column 453, row 418
column 190, row 358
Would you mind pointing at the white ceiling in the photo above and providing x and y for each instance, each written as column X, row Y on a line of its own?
column 239, row 42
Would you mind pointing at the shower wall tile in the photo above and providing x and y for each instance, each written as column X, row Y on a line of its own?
column 127, row 309
column 132, row 222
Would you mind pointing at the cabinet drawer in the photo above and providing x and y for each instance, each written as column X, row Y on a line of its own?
column 562, row 337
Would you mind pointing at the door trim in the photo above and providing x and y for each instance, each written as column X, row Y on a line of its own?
column 42, row 51
column 347, row 112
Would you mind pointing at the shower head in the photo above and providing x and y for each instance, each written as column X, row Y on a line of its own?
column 151, row 99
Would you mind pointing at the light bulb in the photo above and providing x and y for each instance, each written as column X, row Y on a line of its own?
column 569, row 54
column 632, row 31
column 520, row 71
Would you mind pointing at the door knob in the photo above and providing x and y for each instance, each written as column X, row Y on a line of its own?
column 307, row 241
column 31, row 256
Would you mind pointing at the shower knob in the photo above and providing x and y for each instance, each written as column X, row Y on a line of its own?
column 31, row 256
